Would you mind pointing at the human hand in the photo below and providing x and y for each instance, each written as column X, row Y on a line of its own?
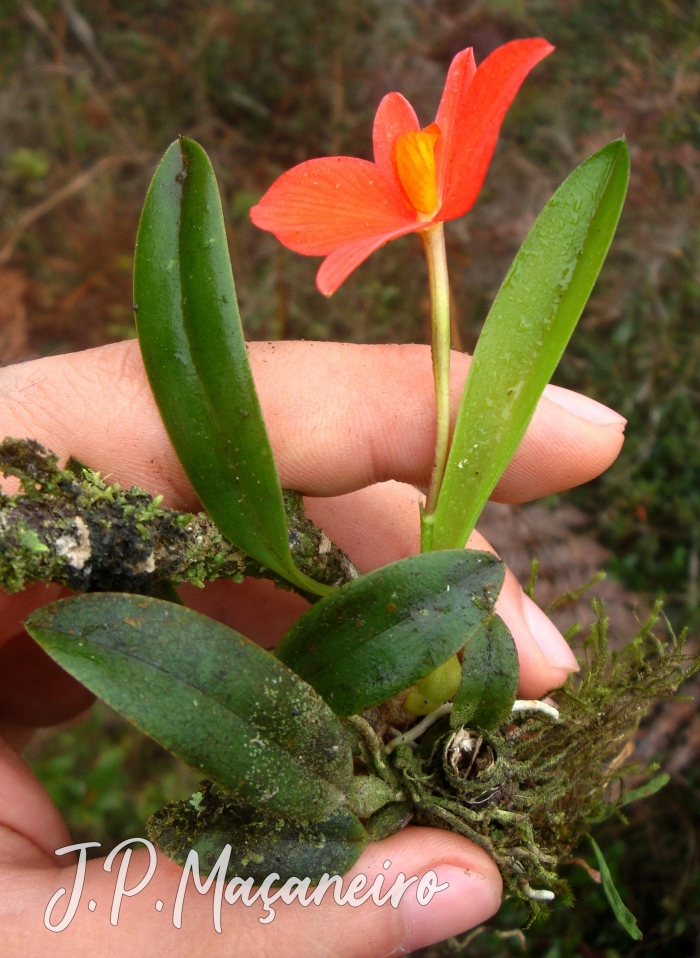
column 352, row 427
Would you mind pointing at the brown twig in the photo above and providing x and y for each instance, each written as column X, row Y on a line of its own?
column 77, row 184
column 86, row 35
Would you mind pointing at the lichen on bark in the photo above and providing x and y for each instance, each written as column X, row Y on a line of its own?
column 72, row 527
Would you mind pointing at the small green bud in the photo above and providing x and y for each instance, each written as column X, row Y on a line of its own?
column 439, row 686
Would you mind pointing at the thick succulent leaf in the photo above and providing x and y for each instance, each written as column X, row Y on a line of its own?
column 620, row 910
column 195, row 356
column 382, row 632
column 206, row 693
column 260, row 844
column 525, row 333
column 490, row 675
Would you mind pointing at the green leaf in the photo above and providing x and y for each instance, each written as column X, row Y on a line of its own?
column 206, row 693
column 490, row 676
column 260, row 844
column 382, row 632
column 632, row 795
column 644, row 791
column 621, row 912
column 525, row 334
column 195, row 356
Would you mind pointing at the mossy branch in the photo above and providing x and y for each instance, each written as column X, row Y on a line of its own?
column 72, row 527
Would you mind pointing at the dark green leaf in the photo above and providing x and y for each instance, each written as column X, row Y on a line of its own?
column 490, row 675
column 260, row 844
column 206, row 693
column 621, row 912
column 525, row 333
column 195, row 356
column 382, row 632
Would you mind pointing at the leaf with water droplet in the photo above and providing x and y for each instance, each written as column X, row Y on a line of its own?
column 524, row 335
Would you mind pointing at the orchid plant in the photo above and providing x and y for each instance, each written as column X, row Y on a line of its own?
column 302, row 765
column 345, row 208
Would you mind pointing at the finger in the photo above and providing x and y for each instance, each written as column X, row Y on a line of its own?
column 376, row 526
column 34, row 690
column 15, row 608
column 340, row 417
column 28, row 406
column 377, row 422
column 30, row 824
column 31, row 830
column 369, row 930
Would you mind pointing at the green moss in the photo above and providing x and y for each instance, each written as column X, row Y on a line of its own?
column 528, row 791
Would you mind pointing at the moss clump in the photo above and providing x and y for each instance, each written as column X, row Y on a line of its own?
column 260, row 843
column 528, row 791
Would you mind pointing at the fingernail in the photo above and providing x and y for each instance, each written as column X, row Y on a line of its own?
column 584, row 407
column 552, row 643
column 469, row 900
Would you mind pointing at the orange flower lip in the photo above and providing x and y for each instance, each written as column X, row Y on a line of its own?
column 345, row 208
column 414, row 165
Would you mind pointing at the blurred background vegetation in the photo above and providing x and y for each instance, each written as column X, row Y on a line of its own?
column 92, row 93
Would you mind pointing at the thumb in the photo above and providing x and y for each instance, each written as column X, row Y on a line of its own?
column 470, row 894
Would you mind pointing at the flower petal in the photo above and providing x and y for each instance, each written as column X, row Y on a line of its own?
column 459, row 77
column 394, row 116
column 476, row 117
column 336, row 268
column 321, row 205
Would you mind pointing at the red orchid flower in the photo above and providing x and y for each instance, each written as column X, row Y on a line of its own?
column 345, row 208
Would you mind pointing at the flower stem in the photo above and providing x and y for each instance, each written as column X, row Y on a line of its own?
column 434, row 245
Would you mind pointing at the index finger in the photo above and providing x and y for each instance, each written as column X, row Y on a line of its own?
column 340, row 417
